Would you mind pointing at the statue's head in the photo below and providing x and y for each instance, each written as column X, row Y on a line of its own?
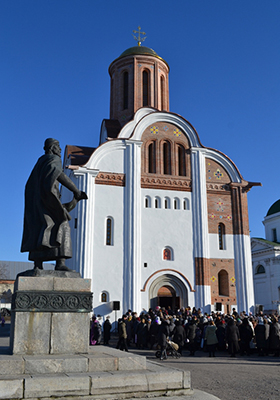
column 52, row 146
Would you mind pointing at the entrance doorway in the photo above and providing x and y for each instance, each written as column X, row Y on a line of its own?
column 168, row 290
column 167, row 298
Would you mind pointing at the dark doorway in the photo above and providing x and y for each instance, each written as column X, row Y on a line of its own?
column 167, row 298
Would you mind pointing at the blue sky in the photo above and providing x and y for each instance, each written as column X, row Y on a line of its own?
column 224, row 63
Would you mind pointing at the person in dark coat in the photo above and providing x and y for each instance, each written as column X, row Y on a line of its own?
column 154, row 331
column 246, row 335
column 232, row 337
column 162, row 338
column 107, row 330
column 179, row 335
column 262, row 337
column 122, row 343
column 141, row 332
column 191, row 335
column 274, row 337
column 46, row 231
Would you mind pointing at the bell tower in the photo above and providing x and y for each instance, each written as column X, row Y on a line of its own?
column 139, row 78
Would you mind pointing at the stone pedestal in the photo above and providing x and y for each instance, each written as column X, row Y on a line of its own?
column 50, row 314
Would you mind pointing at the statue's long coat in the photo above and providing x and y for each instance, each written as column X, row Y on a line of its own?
column 46, row 233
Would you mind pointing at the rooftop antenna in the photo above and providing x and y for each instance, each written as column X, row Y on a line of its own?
column 138, row 38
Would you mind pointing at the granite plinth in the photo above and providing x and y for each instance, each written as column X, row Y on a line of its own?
column 50, row 314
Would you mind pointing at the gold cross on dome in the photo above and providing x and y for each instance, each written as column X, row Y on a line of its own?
column 138, row 38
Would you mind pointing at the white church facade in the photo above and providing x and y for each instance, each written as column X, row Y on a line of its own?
column 166, row 220
column 266, row 262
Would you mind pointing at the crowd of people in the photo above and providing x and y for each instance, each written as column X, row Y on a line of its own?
column 193, row 330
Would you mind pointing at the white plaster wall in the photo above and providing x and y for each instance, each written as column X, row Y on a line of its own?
column 215, row 252
column 272, row 222
column 266, row 285
column 162, row 227
column 107, row 264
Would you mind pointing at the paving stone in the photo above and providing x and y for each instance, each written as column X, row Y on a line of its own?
column 33, row 283
column 55, row 364
column 72, row 284
column 132, row 363
column 11, row 365
column 169, row 379
column 102, row 363
column 30, row 333
column 118, row 382
column 11, row 389
column 69, row 333
column 57, row 385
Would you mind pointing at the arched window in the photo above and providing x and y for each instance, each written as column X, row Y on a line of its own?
column 181, row 160
column 223, row 283
column 109, row 231
column 157, row 202
column 176, row 203
column 221, row 233
column 186, row 204
column 104, row 297
column 152, row 158
column 145, row 90
column 260, row 269
column 166, row 202
column 166, row 158
column 147, row 202
column 167, row 254
column 125, row 90
column 162, row 91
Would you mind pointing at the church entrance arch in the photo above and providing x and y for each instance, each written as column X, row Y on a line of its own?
column 168, row 290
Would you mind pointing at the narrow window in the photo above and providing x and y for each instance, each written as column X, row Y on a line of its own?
column 186, row 204
column 166, row 158
column 167, row 202
column 109, row 232
column 221, row 233
column 103, row 297
column 125, row 90
column 145, row 82
column 76, row 223
column 176, row 204
column 145, row 265
column 147, row 202
column 181, row 161
column 157, row 202
column 151, row 158
column 223, row 283
column 162, row 92
column 274, row 235
column 166, row 254
column 260, row 269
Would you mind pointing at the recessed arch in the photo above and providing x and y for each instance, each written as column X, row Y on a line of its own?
column 175, row 285
column 167, row 270
column 260, row 269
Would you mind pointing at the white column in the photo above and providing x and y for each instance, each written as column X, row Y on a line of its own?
column 200, row 222
column 244, row 273
column 132, row 226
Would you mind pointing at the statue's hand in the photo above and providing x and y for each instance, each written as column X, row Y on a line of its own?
column 80, row 195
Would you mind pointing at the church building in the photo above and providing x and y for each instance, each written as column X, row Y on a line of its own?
column 166, row 220
column 266, row 263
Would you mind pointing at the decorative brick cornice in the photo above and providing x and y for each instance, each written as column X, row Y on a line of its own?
column 172, row 183
column 113, row 179
column 214, row 188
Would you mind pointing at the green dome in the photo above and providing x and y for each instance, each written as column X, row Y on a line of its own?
column 141, row 50
column 275, row 208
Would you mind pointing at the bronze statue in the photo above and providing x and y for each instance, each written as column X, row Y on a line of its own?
column 46, row 232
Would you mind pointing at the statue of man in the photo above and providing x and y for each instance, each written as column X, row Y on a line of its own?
column 46, row 232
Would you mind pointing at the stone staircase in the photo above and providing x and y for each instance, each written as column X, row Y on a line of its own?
column 103, row 373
